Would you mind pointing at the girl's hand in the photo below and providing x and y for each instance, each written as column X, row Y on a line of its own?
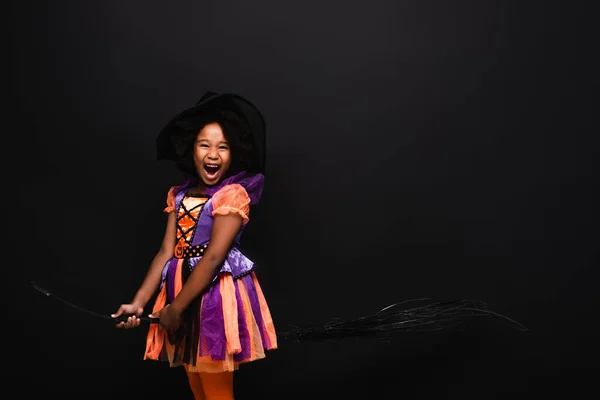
column 133, row 311
column 170, row 320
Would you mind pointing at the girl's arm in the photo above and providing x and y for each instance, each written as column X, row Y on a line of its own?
column 153, row 276
column 225, row 227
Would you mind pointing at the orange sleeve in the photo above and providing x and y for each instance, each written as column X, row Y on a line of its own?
column 232, row 199
column 170, row 200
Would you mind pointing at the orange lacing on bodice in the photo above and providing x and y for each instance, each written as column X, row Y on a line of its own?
column 187, row 217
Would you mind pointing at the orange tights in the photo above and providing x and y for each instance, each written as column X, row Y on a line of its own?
column 211, row 386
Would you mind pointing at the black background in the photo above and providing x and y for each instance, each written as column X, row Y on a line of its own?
column 415, row 149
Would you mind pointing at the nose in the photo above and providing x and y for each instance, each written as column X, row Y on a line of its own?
column 213, row 154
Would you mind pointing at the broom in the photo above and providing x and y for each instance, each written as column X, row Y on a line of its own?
column 430, row 316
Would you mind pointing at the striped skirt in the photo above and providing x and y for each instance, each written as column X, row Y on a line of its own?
column 228, row 325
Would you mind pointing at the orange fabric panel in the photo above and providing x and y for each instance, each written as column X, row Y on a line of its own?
column 266, row 313
column 156, row 335
column 230, row 314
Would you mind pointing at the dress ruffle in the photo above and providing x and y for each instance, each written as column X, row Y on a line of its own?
column 232, row 199
column 231, row 324
column 170, row 200
column 236, row 264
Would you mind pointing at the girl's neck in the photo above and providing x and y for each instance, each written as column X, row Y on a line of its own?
column 199, row 187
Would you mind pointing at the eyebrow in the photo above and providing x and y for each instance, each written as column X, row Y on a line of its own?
column 221, row 142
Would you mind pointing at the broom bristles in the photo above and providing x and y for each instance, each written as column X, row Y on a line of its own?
column 429, row 317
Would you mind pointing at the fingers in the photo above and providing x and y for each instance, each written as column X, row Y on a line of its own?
column 118, row 313
column 131, row 322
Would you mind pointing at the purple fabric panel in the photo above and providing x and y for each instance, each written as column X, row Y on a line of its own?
column 171, row 269
column 204, row 225
column 236, row 263
column 242, row 328
column 178, row 198
column 163, row 275
column 184, row 186
column 212, row 325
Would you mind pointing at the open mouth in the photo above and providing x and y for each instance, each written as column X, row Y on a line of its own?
column 211, row 169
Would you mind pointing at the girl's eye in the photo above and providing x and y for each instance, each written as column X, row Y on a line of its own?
column 203, row 145
column 224, row 148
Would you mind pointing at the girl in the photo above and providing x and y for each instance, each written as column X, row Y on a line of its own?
column 211, row 309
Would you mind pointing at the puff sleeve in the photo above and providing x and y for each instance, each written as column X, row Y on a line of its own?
column 232, row 199
column 170, row 200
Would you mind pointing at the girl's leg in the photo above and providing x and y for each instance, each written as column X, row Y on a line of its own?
column 217, row 386
column 196, row 385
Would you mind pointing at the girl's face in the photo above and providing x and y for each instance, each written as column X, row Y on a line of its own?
column 212, row 156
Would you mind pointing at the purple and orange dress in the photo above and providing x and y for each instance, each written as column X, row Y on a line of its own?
column 230, row 323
